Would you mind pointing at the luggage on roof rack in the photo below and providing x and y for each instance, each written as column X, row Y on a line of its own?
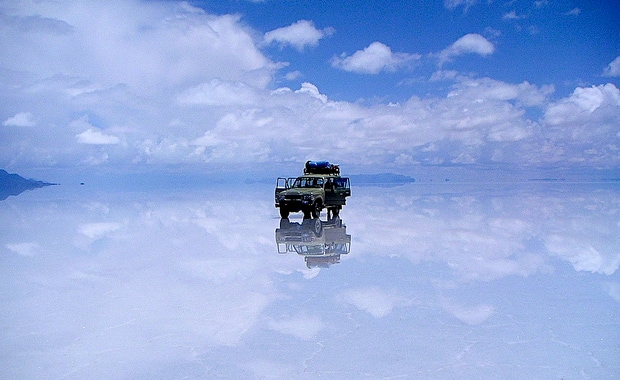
column 321, row 167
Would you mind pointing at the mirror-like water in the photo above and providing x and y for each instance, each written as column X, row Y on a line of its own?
column 417, row 281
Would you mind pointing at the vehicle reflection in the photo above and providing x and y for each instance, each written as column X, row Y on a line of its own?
column 320, row 242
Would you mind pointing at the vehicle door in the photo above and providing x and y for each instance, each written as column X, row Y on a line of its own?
column 283, row 184
column 336, row 189
column 342, row 186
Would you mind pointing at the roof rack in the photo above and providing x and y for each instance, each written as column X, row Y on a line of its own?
column 321, row 167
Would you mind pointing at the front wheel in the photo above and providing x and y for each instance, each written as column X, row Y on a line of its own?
column 284, row 212
column 316, row 209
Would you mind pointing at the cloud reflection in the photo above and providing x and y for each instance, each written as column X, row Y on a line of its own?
column 489, row 235
column 373, row 300
column 190, row 284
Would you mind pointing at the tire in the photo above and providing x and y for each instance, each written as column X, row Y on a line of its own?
column 333, row 212
column 284, row 212
column 307, row 214
column 318, row 226
column 316, row 209
column 285, row 224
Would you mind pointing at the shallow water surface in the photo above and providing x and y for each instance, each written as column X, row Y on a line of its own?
column 419, row 281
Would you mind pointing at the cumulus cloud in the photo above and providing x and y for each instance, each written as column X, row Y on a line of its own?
column 219, row 93
column 300, row 34
column 312, row 90
column 373, row 59
column 181, row 43
column 98, row 230
column 195, row 88
column 22, row 119
column 479, row 121
column 468, row 44
column 485, row 89
column 613, row 69
column 94, row 136
column 582, row 104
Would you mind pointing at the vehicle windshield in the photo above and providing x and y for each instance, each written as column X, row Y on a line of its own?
column 308, row 182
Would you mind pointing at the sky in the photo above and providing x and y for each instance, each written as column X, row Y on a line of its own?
column 376, row 86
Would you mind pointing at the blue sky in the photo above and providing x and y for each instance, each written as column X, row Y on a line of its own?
column 375, row 86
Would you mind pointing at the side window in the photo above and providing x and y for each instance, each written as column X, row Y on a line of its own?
column 341, row 183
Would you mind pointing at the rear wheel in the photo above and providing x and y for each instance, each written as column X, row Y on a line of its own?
column 284, row 212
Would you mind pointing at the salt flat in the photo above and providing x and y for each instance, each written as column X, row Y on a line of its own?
column 426, row 281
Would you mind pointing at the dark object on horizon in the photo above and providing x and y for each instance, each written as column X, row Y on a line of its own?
column 381, row 179
column 13, row 184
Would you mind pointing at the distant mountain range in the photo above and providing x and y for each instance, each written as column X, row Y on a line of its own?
column 13, row 184
column 381, row 179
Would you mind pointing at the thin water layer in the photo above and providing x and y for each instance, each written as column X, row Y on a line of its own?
column 417, row 281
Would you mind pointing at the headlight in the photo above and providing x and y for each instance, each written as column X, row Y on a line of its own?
column 279, row 197
column 308, row 197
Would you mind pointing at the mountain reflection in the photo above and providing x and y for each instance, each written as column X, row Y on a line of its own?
column 320, row 242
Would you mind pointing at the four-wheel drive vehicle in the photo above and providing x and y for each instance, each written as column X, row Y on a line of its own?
column 320, row 187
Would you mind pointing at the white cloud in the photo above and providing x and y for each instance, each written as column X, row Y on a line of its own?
column 94, row 136
column 91, row 135
column 613, row 69
column 23, row 249
column 481, row 120
column 583, row 102
column 451, row 4
column 468, row 44
column 194, row 88
column 292, row 75
column 573, row 12
column 146, row 45
column 98, row 230
column 373, row 59
column 219, row 93
column 485, row 89
column 512, row 15
column 300, row 34
column 22, row 119
column 312, row 90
